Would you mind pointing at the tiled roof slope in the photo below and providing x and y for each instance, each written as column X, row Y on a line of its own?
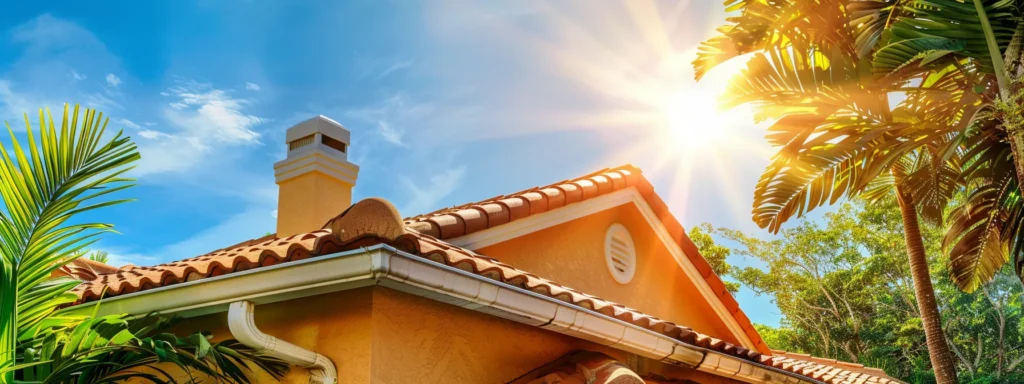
column 375, row 221
column 473, row 217
column 363, row 225
column 828, row 370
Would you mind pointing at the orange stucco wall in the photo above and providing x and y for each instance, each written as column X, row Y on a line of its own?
column 572, row 254
column 417, row 340
column 382, row 336
column 338, row 325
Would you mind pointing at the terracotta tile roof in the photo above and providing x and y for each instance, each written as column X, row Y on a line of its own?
column 363, row 225
column 473, row 217
column 84, row 269
column 826, row 370
column 375, row 221
column 236, row 258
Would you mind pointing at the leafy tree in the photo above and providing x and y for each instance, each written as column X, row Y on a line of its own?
column 715, row 254
column 837, row 130
column 60, row 173
column 853, row 257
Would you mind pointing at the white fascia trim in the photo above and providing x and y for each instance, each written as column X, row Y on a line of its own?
column 534, row 223
column 386, row 266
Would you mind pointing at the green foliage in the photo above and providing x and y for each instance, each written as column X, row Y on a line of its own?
column 44, row 184
column 59, row 174
column 99, row 256
column 715, row 254
column 113, row 348
column 860, row 89
column 845, row 291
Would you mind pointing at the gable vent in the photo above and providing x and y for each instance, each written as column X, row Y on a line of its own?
column 619, row 253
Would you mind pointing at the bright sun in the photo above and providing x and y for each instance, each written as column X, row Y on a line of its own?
column 694, row 121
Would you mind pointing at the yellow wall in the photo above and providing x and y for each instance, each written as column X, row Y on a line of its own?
column 382, row 336
column 417, row 340
column 337, row 325
column 305, row 203
column 572, row 254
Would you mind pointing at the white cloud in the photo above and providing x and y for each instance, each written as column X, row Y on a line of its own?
column 391, row 114
column 398, row 65
column 201, row 117
column 273, row 214
column 102, row 102
column 151, row 134
column 390, row 134
column 252, row 86
column 128, row 123
column 48, row 32
column 48, row 47
column 212, row 113
column 16, row 103
column 424, row 198
column 112, row 80
column 379, row 67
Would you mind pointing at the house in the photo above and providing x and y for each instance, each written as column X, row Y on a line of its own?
column 589, row 280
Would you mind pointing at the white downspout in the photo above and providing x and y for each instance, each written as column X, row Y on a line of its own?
column 243, row 327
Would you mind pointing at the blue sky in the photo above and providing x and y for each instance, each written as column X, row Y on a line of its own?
column 447, row 101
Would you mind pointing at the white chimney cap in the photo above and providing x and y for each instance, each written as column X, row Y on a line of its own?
column 319, row 124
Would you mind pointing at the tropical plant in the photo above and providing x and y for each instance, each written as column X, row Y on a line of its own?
column 99, row 256
column 837, row 130
column 113, row 348
column 977, row 44
column 60, row 173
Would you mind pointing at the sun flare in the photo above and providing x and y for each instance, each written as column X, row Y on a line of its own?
column 695, row 122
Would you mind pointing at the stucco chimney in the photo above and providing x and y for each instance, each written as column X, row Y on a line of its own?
column 315, row 181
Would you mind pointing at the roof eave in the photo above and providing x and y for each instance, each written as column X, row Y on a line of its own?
column 386, row 266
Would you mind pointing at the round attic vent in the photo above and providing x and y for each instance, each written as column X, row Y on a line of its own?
column 619, row 253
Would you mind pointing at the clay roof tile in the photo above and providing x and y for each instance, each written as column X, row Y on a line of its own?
column 375, row 221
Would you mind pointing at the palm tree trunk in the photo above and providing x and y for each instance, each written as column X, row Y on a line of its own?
column 938, row 351
column 1016, row 139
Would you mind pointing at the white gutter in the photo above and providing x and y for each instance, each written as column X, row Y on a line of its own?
column 242, row 324
column 386, row 266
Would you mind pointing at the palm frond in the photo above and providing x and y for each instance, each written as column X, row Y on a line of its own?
column 976, row 238
column 57, row 174
column 928, row 29
column 775, row 25
column 869, row 18
column 110, row 348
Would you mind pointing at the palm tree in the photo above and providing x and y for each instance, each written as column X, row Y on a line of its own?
column 979, row 44
column 835, row 127
column 60, row 173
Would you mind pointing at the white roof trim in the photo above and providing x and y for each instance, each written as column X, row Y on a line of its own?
column 534, row 223
column 386, row 266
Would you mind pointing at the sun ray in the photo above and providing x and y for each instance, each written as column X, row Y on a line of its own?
column 632, row 67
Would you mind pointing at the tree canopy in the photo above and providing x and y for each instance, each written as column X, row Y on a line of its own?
column 845, row 292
